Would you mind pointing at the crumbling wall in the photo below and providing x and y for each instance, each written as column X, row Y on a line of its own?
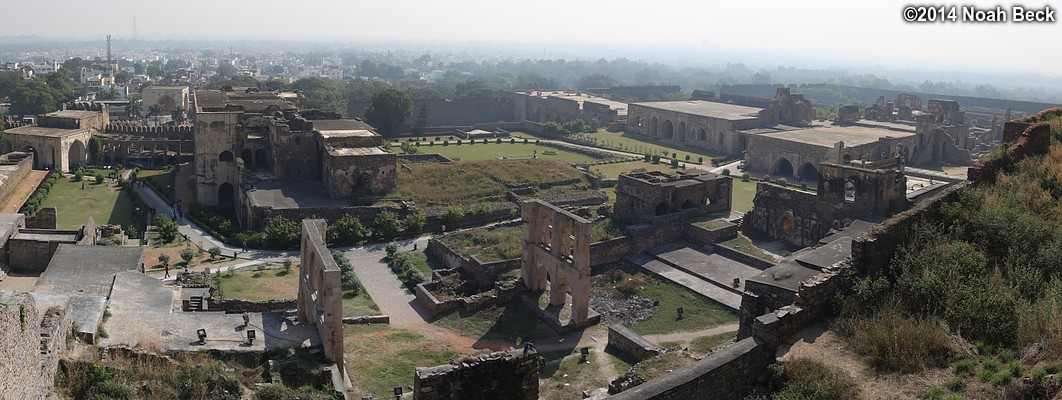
column 45, row 218
column 501, row 375
column 32, row 346
column 630, row 343
column 725, row 374
column 15, row 175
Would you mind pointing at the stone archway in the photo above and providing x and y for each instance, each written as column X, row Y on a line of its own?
column 36, row 157
column 226, row 156
column 227, row 198
column 702, row 135
column 76, row 155
column 667, row 130
column 808, row 173
column 167, row 103
column 261, row 160
column 663, row 208
column 782, row 169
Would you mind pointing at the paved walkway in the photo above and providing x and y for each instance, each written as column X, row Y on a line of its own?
column 386, row 290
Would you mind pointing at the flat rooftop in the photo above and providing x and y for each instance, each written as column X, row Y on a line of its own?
column 287, row 194
column 87, row 270
column 619, row 106
column 827, row 135
column 9, row 222
column 58, row 236
column 346, row 133
column 43, row 131
column 73, row 114
column 672, row 179
column 356, row 151
column 340, row 125
column 223, row 101
column 725, row 111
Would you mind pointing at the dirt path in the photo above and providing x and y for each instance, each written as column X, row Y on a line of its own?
column 687, row 336
column 14, row 200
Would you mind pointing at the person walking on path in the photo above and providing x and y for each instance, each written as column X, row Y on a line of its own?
column 167, row 266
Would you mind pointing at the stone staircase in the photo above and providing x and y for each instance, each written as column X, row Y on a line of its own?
column 195, row 303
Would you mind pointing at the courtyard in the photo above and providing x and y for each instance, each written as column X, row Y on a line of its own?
column 75, row 201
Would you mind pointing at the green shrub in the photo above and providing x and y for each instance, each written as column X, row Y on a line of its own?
column 956, row 384
column 726, row 171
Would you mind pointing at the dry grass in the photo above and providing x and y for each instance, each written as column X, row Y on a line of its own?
column 811, row 379
column 465, row 182
column 893, row 342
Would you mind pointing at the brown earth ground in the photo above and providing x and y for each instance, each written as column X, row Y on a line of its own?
column 14, row 200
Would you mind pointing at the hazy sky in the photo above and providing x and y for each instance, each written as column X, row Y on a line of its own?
column 861, row 32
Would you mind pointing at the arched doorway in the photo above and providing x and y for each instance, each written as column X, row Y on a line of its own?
column 167, row 103
column 662, row 208
column 227, row 198
column 782, row 169
column 808, row 173
column 362, row 183
column 36, row 159
column 682, row 131
column 226, row 156
column 261, row 161
column 785, row 224
column 668, row 130
column 76, row 155
column 654, row 126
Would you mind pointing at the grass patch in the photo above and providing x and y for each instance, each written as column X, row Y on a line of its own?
column 565, row 376
column 641, row 145
column 255, row 285
column 893, row 342
column 700, row 313
column 741, row 195
column 421, row 261
column 809, row 379
column 104, row 202
column 507, row 242
column 494, row 151
column 359, row 304
column 662, row 364
column 487, row 244
column 705, row 344
column 467, row 182
column 743, row 244
column 386, row 357
column 616, row 169
column 514, row 324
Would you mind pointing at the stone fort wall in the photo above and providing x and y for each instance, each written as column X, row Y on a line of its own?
column 34, row 341
column 451, row 112
column 500, row 375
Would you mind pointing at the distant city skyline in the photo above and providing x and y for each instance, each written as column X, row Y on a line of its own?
column 830, row 32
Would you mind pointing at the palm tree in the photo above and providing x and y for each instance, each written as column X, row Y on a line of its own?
column 178, row 115
column 155, row 111
column 135, row 109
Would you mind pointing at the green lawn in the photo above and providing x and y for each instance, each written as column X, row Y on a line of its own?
column 162, row 179
column 700, row 312
column 493, row 151
column 258, row 285
column 513, row 324
column 614, row 170
column 421, row 261
column 642, row 145
column 381, row 358
column 741, row 195
column 361, row 304
column 104, row 202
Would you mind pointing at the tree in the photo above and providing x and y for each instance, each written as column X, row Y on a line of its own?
column 214, row 252
column 99, row 177
column 452, row 214
column 388, row 110
column 414, row 222
column 323, row 94
column 595, row 81
column 187, row 255
column 95, row 151
column 347, row 230
column 287, row 265
column 387, row 224
column 422, row 121
column 135, row 109
column 164, row 259
column 225, row 70
column 167, row 229
column 155, row 110
column 282, row 233
column 178, row 115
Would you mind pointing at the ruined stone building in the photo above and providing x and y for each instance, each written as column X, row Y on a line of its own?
column 257, row 150
column 59, row 139
column 713, row 125
column 642, row 197
column 169, row 97
column 562, row 106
